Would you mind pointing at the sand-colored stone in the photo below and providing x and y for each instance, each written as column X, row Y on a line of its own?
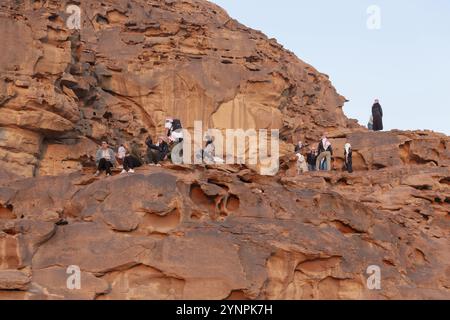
column 199, row 232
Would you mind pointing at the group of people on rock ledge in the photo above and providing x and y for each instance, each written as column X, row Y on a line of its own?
column 128, row 156
column 320, row 159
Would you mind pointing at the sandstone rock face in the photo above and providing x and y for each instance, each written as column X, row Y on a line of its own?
column 134, row 63
column 215, row 234
column 199, row 232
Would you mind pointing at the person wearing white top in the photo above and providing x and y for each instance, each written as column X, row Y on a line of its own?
column 120, row 157
column 105, row 159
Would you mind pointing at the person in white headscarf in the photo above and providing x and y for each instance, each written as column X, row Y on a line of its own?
column 348, row 157
column 325, row 154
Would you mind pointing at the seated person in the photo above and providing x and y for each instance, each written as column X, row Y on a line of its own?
column 132, row 159
column 105, row 159
column 156, row 152
column 121, row 153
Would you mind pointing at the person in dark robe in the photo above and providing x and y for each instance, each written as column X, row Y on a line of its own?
column 377, row 114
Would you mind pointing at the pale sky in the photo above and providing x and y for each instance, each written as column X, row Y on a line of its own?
column 406, row 63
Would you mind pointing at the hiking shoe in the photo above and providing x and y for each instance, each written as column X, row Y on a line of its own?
column 123, row 171
column 158, row 165
column 108, row 174
column 97, row 174
column 131, row 171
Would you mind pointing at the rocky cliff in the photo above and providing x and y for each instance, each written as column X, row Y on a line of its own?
column 214, row 232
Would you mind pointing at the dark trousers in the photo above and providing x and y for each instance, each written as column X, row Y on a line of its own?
column 105, row 165
column 155, row 156
column 349, row 165
column 130, row 162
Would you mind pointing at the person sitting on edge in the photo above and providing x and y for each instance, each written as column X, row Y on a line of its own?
column 132, row 159
column 348, row 157
column 121, row 153
column 157, row 152
column 323, row 161
column 105, row 159
column 311, row 158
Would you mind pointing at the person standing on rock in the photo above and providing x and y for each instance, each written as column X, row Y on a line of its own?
column 377, row 114
column 311, row 158
column 348, row 157
column 105, row 159
column 323, row 161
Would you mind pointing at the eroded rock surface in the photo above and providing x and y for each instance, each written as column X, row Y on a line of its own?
column 195, row 232
column 132, row 64
column 212, row 234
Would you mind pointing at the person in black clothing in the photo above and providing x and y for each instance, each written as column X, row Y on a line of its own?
column 156, row 152
column 311, row 158
column 348, row 157
column 377, row 114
